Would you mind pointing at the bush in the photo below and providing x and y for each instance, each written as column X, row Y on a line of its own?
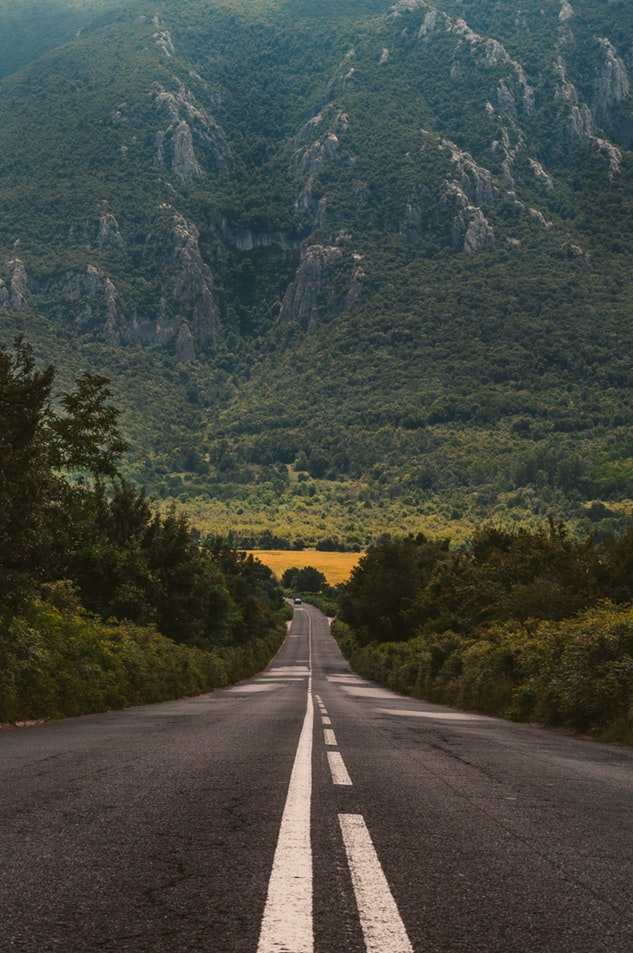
column 576, row 673
column 54, row 665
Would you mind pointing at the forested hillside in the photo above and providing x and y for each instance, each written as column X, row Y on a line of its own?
column 352, row 268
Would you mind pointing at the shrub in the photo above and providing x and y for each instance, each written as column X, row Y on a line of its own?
column 54, row 665
column 575, row 673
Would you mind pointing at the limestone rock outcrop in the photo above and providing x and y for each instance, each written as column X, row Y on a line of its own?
column 14, row 295
column 318, row 289
column 192, row 142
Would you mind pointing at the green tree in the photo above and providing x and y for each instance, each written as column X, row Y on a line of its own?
column 307, row 579
column 516, row 574
column 43, row 516
column 256, row 596
column 379, row 599
column 87, row 436
column 26, row 479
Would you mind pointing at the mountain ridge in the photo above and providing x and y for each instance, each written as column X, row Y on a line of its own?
column 369, row 244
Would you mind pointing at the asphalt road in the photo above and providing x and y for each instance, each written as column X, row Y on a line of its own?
column 308, row 811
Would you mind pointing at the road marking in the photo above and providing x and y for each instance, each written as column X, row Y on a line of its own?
column 287, row 925
column 329, row 737
column 348, row 677
column 287, row 922
column 438, row 715
column 364, row 692
column 337, row 768
column 300, row 669
column 380, row 920
column 325, row 720
column 269, row 677
column 252, row 689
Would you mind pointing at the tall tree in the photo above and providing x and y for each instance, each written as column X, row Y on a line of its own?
column 26, row 478
column 87, row 437
column 41, row 512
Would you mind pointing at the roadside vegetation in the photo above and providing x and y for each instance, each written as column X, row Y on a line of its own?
column 527, row 625
column 104, row 600
column 108, row 600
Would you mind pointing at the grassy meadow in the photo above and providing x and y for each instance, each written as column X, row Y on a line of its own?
column 336, row 567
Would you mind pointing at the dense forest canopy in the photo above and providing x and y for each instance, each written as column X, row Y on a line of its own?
column 350, row 268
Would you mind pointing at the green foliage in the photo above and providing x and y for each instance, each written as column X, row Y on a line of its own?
column 427, row 381
column 30, row 27
column 87, row 437
column 405, row 586
column 191, row 617
column 521, row 624
column 379, row 600
column 576, row 673
column 124, row 558
column 26, row 480
column 304, row 579
column 55, row 664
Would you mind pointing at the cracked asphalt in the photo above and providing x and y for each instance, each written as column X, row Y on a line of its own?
column 153, row 830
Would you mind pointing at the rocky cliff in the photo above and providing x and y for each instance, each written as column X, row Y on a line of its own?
column 203, row 194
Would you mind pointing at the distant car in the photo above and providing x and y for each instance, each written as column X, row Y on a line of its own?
column 297, row 601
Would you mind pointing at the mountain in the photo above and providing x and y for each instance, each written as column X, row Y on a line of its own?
column 352, row 268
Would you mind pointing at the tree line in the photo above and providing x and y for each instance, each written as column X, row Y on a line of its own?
column 532, row 625
column 79, row 539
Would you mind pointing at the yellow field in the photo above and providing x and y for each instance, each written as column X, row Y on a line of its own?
column 336, row 567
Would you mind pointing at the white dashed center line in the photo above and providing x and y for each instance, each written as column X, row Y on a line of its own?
column 287, row 924
column 337, row 769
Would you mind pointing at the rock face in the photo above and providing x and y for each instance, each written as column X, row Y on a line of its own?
column 108, row 235
column 430, row 131
column 470, row 229
column 317, row 290
column 188, row 296
column 186, row 317
column 248, row 239
column 612, row 89
column 100, row 234
column 310, row 293
column 317, row 146
column 95, row 301
column 15, row 296
column 192, row 140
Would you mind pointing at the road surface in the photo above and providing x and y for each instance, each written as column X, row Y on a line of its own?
column 308, row 811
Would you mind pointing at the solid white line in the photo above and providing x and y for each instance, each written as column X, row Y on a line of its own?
column 337, row 768
column 329, row 737
column 380, row 920
column 287, row 925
